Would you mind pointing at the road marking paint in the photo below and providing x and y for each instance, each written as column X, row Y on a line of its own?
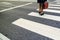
column 15, row 7
column 54, row 4
column 2, row 37
column 51, row 17
column 51, row 10
column 39, row 28
column 55, row 7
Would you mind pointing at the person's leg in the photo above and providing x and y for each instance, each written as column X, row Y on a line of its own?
column 41, row 9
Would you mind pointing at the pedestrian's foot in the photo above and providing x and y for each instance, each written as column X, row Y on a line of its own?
column 41, row 13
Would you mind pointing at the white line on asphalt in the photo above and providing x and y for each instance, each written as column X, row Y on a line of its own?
column 51, row 17
column 15, row 7
column 55, row 7
column 2, row 37
column 54, row 4
column 39, row 28
column 51, row 10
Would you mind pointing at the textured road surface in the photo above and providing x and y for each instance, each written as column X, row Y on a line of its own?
column 15, row 32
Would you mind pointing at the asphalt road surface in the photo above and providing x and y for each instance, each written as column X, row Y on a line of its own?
column 21, row 21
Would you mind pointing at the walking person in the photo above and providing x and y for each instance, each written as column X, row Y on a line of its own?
column 41, row 6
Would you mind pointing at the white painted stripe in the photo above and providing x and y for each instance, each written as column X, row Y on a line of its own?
column 2, row 37
column 51, row 17
column 54, row 4
column 51, row 10
column 39, row 28
column 55, row 7
column 15, row 7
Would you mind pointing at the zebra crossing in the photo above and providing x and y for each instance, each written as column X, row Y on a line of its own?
column 2, row 37
column 46, row 30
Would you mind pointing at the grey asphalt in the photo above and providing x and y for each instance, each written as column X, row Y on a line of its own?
column 9, row 4
column 14, row 32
